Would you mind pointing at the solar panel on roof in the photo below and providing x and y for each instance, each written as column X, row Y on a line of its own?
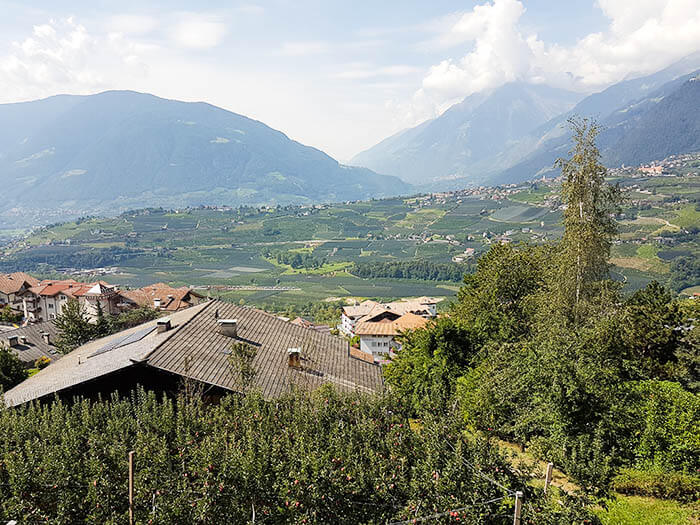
column 123, row 341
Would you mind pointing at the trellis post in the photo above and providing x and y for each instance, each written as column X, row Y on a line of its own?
column 548, row 477
column 518, row 507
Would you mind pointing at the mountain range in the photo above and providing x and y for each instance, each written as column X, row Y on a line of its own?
column 117, row 150
column 515, row 132
column 122, row 149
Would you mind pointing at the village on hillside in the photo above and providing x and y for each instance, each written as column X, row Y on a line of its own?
column 367, row 335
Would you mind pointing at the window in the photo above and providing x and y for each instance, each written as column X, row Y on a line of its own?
column 50, row 306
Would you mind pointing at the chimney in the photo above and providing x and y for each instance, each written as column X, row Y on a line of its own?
column 46, row 337
column 228, row 327
column 294, row 357
column 156, row 303
column 12, row 341
column 23, row 339
column 163, row 325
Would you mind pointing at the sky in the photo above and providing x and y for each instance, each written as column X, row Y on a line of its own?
column 337, row 75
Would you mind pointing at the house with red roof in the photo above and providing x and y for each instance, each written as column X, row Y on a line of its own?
column 14, row 288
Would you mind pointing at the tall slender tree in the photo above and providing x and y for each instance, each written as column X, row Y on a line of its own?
column 589, row 225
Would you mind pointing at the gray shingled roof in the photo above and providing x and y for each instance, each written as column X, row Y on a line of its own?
column 35, row 346
column 194, row 348
column 199, row 351
column 80, row 366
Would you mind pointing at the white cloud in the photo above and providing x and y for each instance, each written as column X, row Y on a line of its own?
column 62, row 56
column 311, row 47
column 198, row 32
column 643, row 36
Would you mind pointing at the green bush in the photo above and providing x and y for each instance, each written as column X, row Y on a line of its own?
column 666, row 485
column 42, row 362
column 667, row 437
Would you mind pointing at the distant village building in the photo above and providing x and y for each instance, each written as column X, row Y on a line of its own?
column 163, row 297
column 14, row 288
column 322, row 328
column 51, row 296
column 195, row 345
column 378, row 333
column 377, row 324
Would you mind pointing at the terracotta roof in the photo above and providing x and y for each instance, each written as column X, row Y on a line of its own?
column 35, row 346
column 171, row 299
column 407, row 321
column 199, row 351
column 68, row 287
column 13, row 282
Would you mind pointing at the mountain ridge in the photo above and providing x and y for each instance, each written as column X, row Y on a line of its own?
column 97, row 150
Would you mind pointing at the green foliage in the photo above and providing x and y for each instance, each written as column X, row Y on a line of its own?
column 132, row 318
column 325, row 458
column 497, row 300
column 542, row 349
column 241, row 362
column 588, row 219
column 684, row 273
column 8, row 316
column 415, row 269
column 74, row 327
column 666, row 485
column 637, row 510
column 427, row 366
column 12, row 370
column 667, row 427
column 42, row 362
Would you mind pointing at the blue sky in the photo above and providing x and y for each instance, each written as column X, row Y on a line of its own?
column 336, row 75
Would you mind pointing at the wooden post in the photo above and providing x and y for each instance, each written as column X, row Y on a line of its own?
column 548, row 477
column 131, row 488
column 518, row 507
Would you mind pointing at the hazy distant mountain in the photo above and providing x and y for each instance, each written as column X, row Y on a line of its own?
column 512, row 133
column 666, row 121
column 471, row 138
column 122, row 149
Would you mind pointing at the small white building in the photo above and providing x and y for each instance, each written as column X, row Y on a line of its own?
column 425, row 307
column 378, row 333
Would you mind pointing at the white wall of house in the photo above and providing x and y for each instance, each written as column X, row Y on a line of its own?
column 347, row 325
column 377, row 345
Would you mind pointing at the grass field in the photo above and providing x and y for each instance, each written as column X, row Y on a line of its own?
column 638, row 510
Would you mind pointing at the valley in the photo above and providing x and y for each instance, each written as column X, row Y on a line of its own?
column 290, row 257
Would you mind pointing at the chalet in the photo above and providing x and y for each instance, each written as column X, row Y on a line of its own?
column 195, row 347
column 31, row 342
column 13, row 291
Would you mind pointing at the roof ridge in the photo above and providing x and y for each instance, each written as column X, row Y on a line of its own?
column 145, row 358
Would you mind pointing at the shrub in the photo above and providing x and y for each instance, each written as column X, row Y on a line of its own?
column 667, row 485
column 669, row 427
column 42, row 362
